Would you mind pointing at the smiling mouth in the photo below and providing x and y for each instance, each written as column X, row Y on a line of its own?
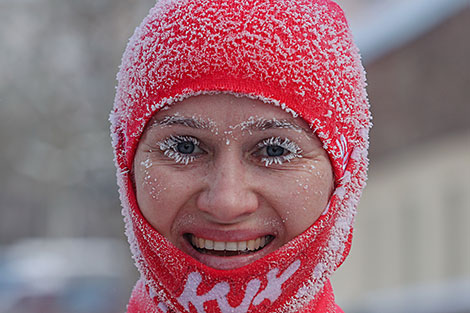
column 228, row 248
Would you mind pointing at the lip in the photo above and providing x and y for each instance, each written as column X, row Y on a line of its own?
column 227, row 262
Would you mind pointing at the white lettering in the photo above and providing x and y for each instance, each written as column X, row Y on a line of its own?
column 273, row 289
column 220, row 291
column 162, row 306
column 190, row 293
column 251, row 289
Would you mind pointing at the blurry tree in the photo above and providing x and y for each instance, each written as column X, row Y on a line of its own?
column 58, row 61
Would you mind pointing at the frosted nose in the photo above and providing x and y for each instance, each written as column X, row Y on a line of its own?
column 229, row 196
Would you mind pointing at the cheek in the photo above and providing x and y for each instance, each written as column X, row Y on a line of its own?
column 156, row 192
column 149, row 184
column 303, row 198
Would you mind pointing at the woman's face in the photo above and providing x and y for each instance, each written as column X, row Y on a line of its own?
column 228, row 180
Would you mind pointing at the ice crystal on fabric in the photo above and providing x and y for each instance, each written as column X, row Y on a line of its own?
column 309, row 68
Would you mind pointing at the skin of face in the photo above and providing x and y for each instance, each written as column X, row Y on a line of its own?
column 230, row 169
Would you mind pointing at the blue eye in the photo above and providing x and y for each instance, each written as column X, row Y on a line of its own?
column 185, row 147
column 182, row 149
column 274, row 151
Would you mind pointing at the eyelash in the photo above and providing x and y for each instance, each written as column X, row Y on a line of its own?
column 293, row 149
column 169, row 148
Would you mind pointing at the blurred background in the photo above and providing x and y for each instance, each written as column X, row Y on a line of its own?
column 62, row 248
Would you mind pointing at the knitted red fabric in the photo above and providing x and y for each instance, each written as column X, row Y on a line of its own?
column 142, row 302
column 296, row 54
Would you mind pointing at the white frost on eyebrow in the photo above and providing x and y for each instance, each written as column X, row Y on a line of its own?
column 263, row 124
column 193, row 121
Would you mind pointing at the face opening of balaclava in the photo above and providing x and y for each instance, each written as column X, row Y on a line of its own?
column 295, row 54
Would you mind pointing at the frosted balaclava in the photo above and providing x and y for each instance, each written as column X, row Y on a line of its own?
column 295, row 54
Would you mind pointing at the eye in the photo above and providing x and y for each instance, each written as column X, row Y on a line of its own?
column 182, row 149
column 185, row 147
column 274, row 151
column 277, row 150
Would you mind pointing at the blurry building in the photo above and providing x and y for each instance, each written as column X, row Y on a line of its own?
column 411, row 251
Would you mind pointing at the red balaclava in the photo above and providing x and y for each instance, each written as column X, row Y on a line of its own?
column 295, row 54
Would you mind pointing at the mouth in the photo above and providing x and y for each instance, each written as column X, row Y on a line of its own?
column 227, row 248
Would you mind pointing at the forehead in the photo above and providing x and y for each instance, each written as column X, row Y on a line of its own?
column 223, row 110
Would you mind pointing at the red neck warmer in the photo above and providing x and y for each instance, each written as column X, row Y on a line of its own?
column 297, row 54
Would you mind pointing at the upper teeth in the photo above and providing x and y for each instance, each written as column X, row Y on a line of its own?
column 250, row 245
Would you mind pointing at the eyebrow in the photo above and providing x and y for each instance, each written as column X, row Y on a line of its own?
column 252, row 124
column 181, row 120
column 261, row 124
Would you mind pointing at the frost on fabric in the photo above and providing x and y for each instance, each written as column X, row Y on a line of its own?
column 264, row 48
column 295, row 54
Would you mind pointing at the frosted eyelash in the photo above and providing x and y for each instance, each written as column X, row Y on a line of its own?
column 168, row 146
column 292, row 147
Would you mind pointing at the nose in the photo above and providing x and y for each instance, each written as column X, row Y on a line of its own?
column 229, row 195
